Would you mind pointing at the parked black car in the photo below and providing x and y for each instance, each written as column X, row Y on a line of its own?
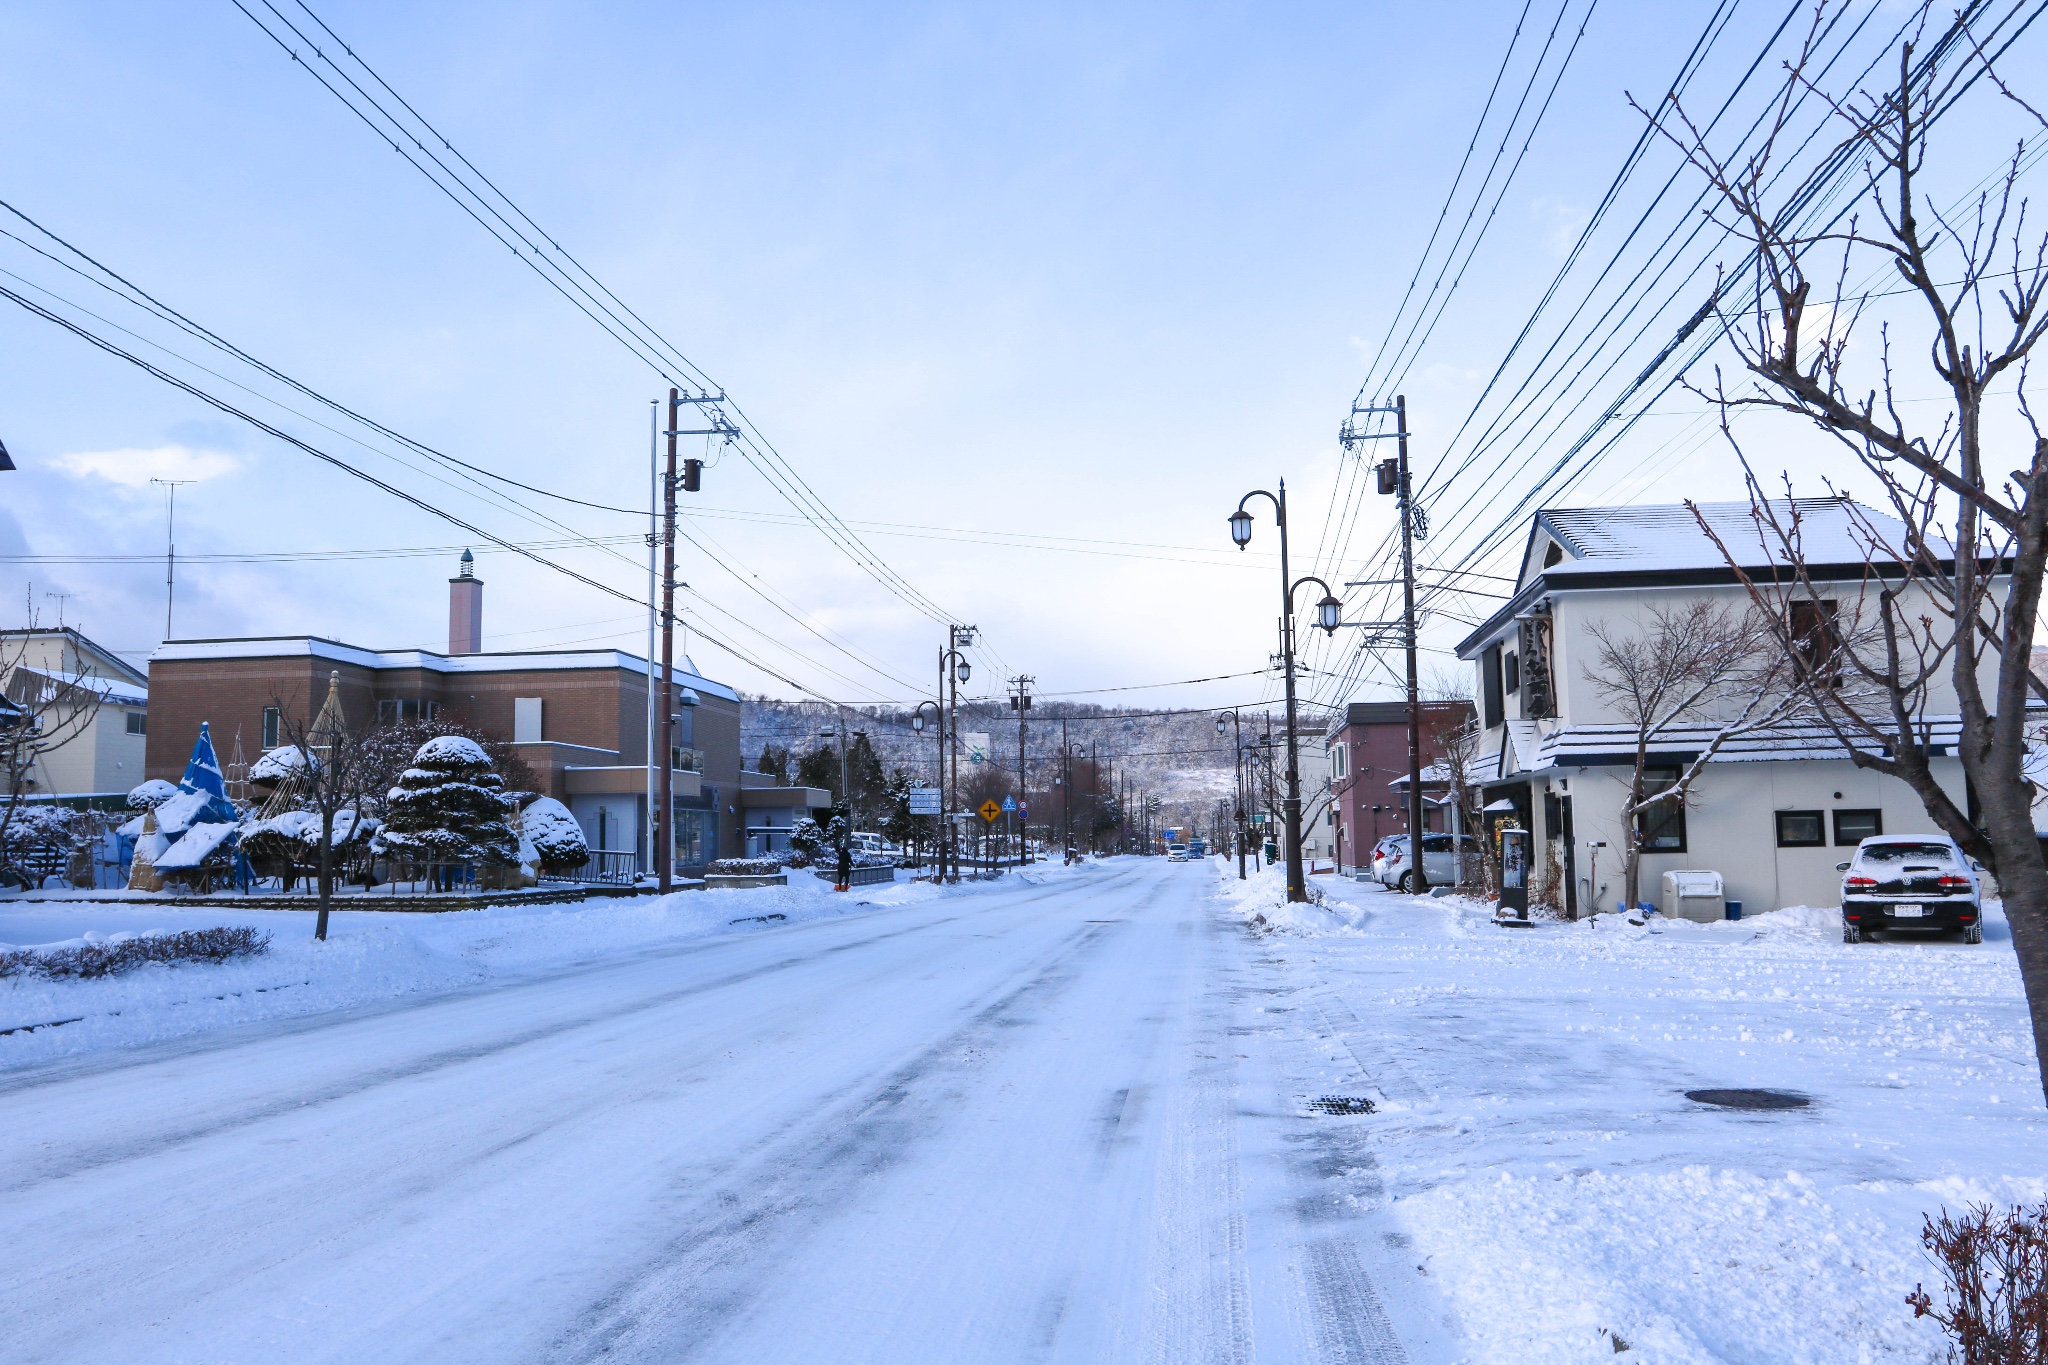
column 1910, row 881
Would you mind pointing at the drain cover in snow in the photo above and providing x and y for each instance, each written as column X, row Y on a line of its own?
column 1341, row 1104
column 1749, row 1099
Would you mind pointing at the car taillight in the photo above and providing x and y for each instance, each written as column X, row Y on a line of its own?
column 1860, row 883
column 1952, row 882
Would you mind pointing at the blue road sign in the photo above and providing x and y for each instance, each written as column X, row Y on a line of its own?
column 1009, row 804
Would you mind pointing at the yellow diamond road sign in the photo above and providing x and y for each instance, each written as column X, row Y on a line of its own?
column 991, row 812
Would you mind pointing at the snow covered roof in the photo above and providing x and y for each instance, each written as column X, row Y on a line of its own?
column 504, row 661
column 194, row 847
column 1665, row 545
column 1576, row 746
column 1669, row 536
column 110, row 690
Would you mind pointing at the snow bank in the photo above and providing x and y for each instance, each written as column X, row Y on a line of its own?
column 1693, row 1265
column 368, row 956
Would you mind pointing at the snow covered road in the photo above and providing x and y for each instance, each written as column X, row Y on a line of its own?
column 1040, row 1120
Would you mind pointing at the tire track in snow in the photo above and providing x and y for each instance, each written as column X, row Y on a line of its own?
column 704, row 1277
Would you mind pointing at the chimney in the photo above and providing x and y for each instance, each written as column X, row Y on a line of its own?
column 466, row 609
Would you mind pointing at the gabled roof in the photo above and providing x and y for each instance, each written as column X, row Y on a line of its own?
column 1668, row 536
column 1665, row 546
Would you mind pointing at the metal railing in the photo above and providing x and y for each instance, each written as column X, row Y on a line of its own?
column 604, row 867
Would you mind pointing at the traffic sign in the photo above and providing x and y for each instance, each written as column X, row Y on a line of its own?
column 991, row 812
column 924, row 800
column 1009, row 804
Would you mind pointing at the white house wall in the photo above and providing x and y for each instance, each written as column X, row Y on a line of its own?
column 1731, row 826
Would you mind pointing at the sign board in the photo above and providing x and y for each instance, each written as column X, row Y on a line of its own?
column 924, row 800
column 991, row 812
column 973, row 747
column 1009, row 805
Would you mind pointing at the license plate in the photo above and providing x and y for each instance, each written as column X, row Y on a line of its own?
column 1908, row 911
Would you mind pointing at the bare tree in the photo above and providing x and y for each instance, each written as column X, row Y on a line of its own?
column 1700, row 665
column 1958, row 589
column 331, row 783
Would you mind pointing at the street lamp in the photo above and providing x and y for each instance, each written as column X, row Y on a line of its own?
column 917, row 724
column 1237, row 763
column 1329, row 613
column 958, row 638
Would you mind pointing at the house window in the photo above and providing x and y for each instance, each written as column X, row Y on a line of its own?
column 1852, row 827
column 138, row 722
column 1661, row 828
column 1489, row 685
column 392, row 710
column 271, row 716
column 1511, row 670
column 1802, row 829
column 1337, row 760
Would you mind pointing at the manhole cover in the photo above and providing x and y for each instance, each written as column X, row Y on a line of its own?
column 1749, row 1099
column 1341, row 1104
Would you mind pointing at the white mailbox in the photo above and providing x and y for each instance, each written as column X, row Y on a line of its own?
column 1695, row 896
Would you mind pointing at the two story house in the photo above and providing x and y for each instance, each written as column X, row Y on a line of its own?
column 1773, row 811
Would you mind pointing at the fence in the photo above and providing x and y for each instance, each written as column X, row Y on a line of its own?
column 603, row 868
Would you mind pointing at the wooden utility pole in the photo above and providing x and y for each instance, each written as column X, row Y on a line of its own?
column 664, row 835
column 1418, row 865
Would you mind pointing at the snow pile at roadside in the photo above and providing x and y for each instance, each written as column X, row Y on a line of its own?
column 368, row 956
column 1551, row 1268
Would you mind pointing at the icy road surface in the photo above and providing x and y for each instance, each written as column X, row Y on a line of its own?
column 1023, row 1122
column 1063, row 1117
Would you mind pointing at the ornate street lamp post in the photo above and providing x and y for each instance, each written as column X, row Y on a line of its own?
column 1329, row 615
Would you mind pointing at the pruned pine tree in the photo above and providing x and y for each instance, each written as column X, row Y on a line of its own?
column 448, row 807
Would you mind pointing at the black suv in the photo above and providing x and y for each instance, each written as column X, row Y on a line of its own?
column 1910, row 881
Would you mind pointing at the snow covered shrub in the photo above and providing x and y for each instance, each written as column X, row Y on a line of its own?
column 123, row 952
column 151, row 794
column 556, row 837
column 745, row 867
column 806, row 838
column 447, row 808
column 389, row 750
column 1996, row 1266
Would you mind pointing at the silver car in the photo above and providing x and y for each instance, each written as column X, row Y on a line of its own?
column 1390, row 865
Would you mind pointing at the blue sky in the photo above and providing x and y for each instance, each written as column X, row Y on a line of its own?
column 1077, row 271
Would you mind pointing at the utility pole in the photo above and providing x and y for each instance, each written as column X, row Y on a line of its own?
column 1393, row 478
column 1021, row 700
column 654, row 825
column 171, row 487
column 1066, row 795
column 1407, row 509
column 689, row 481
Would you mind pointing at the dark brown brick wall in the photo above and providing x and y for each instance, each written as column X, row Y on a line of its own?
column 603, row 708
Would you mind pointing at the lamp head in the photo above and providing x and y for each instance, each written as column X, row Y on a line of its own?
column 1330, row 613
column 917, row 722
column 963, row 671
column 1241, row 527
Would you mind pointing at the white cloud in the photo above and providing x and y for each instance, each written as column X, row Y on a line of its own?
column 135, row 468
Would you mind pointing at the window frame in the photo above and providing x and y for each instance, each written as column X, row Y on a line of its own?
column 1820, row 819
column 1669, row 814
column 1876, row 814
column 273, row 718
column 1510, row 672
column 1491, row 697
column 137, row 723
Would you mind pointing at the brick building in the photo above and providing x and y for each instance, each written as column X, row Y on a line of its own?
column 1368, row 754
column 579, row 718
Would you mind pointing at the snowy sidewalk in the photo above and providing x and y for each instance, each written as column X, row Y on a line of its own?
column 1532, row 1138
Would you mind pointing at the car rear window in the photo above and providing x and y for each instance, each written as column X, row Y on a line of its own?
column 1899, row 853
